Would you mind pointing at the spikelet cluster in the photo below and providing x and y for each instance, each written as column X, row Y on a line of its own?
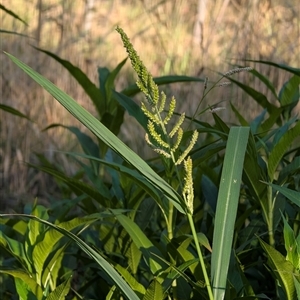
column 162, row 140
column 237, row 70
column 145, row 82
column 188, row 190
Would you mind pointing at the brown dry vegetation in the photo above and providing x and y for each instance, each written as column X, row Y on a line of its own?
column 171, row 38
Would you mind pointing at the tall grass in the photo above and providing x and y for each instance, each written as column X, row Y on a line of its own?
column 232, row 31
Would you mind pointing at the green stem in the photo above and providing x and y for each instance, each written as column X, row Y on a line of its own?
column 170, row 221
column 201, row 260
column 270, row 217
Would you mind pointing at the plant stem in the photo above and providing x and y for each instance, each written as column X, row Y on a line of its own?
column 201, row 260
column 270, row 217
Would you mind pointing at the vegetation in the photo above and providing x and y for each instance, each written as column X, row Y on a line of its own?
column 213, row 215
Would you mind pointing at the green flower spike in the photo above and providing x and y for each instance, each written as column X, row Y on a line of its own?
column 188, row 149
column 188, row 189
column 145, row 82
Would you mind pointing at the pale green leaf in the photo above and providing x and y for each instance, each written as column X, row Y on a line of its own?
column 228, row 199
column 154, row 291
column 61, row 291
column 282, row 269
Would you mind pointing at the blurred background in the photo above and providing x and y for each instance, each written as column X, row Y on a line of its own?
column 195, row 38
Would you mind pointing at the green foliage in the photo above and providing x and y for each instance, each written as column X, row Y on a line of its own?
column 144, row 229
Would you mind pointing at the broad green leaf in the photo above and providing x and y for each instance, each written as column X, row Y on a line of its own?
column 105, row 135
column 13, row 111
column 61, row 291
column 45, row 247
column 27, row 279
column 280, row 149
column 105, row 266
column 16, row 249
column 23, row 290
column 143, row 243
column 227, row 203
column 134, row 257
column 154, row 291
column 282, row 270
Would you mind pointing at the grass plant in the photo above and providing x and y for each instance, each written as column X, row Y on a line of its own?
column 215, row 215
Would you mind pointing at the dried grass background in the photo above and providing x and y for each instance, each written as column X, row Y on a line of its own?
column 195, row 37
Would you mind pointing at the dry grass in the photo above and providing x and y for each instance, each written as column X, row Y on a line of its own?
column 163, row 33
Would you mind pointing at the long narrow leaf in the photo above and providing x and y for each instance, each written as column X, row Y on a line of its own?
column 96, row 127
column 228, row 199
column 11, row 13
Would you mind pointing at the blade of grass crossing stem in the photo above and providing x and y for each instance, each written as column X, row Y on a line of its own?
column 228, row 199
column 98, row 129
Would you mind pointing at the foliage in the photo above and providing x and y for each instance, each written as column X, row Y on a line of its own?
column 209, row 218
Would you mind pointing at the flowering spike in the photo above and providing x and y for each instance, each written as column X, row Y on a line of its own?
column 171, row 111
column 156, row 136
column 150, row 115
column 188, row 190
column 189, row 148
column 178, row 140
column 145, row 82
column 177, row 125
column 237, row 70
column 162, row 102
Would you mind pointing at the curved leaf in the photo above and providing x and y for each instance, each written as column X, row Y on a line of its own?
column 105, row 135
column 282, row 269
column 26, row 278
column 13, row 111
column 280, row 149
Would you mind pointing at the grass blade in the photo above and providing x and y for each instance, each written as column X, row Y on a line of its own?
column 228, row 199
column 97, row 128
